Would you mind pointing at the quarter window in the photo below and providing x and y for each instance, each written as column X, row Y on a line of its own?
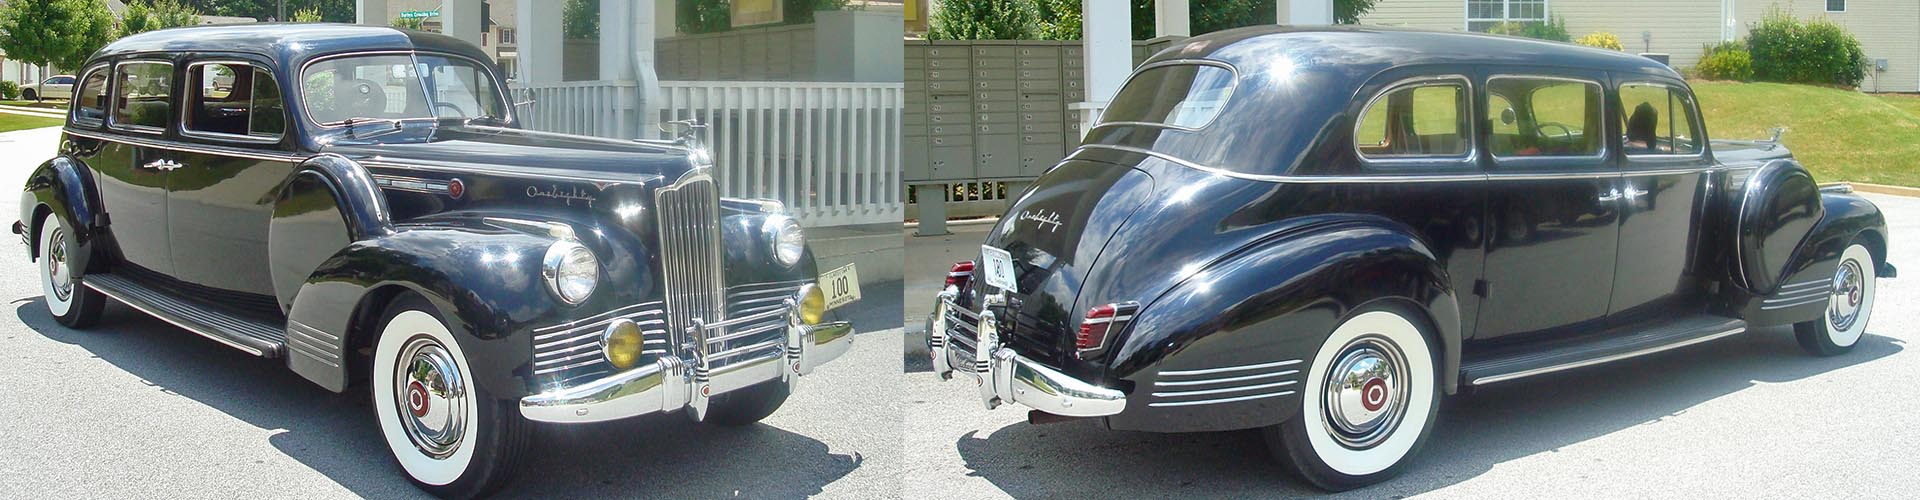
column 235, row 99
column 1174, row 95
column 90, row 100
column 1417, row 120
column 141, row 101
column 1533, row 117
column 1657, row 120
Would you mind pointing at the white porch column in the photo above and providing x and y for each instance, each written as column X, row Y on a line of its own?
column 370, row 12
column 1304, row 12
column 626, row 53
column 1170, row 18
column 1107, row 33
column 461, row 19
column 537, row 29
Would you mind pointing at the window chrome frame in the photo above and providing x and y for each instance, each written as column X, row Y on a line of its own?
column 188, row 131
column 1529, row 161
column 73, row 101
column 114, row 104
column 499, row 84
column 1693, row 117
column 1465, row 105
column 1225, row 102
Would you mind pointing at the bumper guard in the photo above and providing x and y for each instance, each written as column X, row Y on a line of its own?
column 1004, row 376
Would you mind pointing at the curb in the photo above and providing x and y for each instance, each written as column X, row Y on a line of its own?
column 1886, row 189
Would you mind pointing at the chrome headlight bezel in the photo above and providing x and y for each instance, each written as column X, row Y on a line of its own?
column 786, row 241
column 561, row 267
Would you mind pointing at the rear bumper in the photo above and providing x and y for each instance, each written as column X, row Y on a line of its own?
column 672, row 383
column 1004, row 376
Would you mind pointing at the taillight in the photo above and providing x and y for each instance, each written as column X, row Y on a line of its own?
column 1101, row 321
column 961, row 272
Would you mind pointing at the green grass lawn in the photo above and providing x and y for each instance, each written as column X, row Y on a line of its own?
column 1840, row 135
column 10, row 122
column 49, row 104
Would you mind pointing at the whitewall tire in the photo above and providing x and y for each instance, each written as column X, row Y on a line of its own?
column 70, row 303
column 1369, row 401
column 450, row 437
column 1849, row 306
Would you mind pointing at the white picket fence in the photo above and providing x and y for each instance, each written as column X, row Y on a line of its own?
column 829, row 150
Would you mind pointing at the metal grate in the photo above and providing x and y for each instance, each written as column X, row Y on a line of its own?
column 690, row 257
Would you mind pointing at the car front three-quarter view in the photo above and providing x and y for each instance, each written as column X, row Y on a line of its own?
column 1323, row 232
column 362, row 203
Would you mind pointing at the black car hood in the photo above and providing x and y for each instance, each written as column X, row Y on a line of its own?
column 501, row 150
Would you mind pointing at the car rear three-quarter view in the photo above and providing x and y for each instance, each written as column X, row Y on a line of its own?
column 362, row 203
column 1321, row 233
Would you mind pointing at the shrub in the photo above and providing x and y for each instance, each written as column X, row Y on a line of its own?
column 1725, row 62
column 983, row 20
column 1819, row 51
column 9, row 90
column 1554, row 29
column 1603, row 40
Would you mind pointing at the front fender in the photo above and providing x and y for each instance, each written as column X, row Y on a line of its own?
column 65, row 187
column 1272, row 303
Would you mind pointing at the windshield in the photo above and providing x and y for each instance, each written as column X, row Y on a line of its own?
column 400, row 87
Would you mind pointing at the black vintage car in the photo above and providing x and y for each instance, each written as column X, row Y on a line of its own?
column 360, row 202
column 1322, row 232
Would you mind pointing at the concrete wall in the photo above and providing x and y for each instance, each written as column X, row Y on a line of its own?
column 1887, row 29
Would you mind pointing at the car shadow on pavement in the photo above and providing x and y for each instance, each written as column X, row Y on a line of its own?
column 663, row 456
column 1474, row 433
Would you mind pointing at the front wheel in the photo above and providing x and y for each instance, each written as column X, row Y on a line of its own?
column 29, row 95
column 1370, row 399
column 70, row 303
column 1849, row 305
column 450, row 436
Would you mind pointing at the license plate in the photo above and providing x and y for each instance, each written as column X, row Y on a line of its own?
column 842, row 286
column 997, row 268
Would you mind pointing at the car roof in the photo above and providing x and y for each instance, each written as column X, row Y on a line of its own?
column 1253, row 48
column 287, row 43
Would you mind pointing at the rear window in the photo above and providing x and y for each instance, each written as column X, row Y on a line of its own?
column 1175, row 95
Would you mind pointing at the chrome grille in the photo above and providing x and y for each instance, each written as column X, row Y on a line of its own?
column 690, row 256
column 756, row 337
column 961, row 324
column 572, row 349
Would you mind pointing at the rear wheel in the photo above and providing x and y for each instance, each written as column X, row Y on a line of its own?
column 749, row 405
column 1849, row 305
column 1369, row 401
column 70, row 303
column 29, row 95
column 450, row 436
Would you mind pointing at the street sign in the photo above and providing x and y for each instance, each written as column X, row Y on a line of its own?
column 419, row 14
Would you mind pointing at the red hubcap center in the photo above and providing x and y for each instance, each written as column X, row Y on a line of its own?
column 417, row 399
column 1373, row 395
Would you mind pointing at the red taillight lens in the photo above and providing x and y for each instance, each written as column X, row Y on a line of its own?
column 961, row 272
column 1093, row 331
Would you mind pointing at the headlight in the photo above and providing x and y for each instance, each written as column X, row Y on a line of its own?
column 788, row 241
column 571, row 272
column 813, row 305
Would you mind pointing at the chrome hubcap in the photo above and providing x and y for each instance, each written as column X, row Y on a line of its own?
column 56, row 262
column 1849, row 290
column 1366, row 392
column 431, row 398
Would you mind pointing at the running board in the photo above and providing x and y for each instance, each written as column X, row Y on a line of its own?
column 253, row 336
column 1648, row 339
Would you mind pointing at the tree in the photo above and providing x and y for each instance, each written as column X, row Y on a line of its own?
column 581, row 19
column 1058, row 20
column 173, row 14
column 984, row 20
column 412, row 23
column 62, row 33
column 136, row 19
column 338, row 11
column 693, row 17
column 308, row 15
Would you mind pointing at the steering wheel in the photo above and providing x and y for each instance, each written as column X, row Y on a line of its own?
column 1566, row 133
column 456, row 109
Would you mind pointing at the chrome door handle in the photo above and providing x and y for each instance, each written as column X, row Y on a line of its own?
column 1634, row 193
column 1613, row 195
column 164, row 165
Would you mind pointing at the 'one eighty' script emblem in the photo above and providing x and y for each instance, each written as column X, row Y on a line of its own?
column 567, row 194
column 1048, row 220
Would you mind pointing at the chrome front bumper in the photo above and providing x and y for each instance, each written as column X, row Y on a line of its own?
column 673, row 383
column 1004, row 376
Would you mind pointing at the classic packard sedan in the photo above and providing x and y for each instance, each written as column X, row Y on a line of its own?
column 1320, row 233
column 360, row 202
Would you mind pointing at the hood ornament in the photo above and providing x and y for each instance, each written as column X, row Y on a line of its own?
column 690, row 134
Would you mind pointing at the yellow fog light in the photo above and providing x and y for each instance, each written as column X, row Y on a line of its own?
column 813, row 305
column 622, row 344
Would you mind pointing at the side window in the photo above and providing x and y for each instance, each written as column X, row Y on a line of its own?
column 1657, row 120
column 1544, row 117
column 224, row 99
column 1414, row 121
column 141, row 102
column 90, row 100
column 61, row 80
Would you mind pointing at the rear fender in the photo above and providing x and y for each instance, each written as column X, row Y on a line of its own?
column 1777, row 210
column 64, row 187
column 1272, row 304
column 1846, row 219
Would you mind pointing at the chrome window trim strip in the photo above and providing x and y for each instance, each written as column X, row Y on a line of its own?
column 113, row 101
column 1218, row 401
column 1603, row 359
column 638, row 179
column 1406, row 178
column 174, row 146
column 1464, row 108
column 1225, row 369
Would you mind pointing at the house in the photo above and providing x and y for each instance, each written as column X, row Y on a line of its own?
column 1889, row 30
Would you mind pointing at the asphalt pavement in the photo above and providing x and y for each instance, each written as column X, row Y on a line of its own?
column 137, row 408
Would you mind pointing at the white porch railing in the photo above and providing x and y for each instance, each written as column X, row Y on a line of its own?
column 829, row 150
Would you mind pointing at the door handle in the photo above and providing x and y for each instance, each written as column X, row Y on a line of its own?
column 1612, row 195
column 1634, row 193
column 163, row 165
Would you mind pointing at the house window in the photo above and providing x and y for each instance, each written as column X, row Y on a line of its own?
column 1836, row 5
column 1484, row 14
column 506, row 36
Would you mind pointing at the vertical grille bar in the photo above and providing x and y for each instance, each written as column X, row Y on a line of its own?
column 689, row 214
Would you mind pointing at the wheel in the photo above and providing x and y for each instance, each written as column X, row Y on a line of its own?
column 1370, row 399
column 749, row 405
column 71, row 303
column 1849, row 305
column 29, row 95
column 450, row 436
